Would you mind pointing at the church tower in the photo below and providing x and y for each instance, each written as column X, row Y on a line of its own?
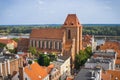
column 73, row 30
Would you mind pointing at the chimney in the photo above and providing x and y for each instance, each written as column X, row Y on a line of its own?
column 21, row 74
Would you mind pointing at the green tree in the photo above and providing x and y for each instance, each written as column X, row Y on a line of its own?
column 43, row 60
column 29, row 62
column 2, row 45
column 32, row 50
column 52, row 57
column 82, row 56
column 88, row 52
column 12, row 50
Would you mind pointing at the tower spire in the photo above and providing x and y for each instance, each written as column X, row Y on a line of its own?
column 71, row 21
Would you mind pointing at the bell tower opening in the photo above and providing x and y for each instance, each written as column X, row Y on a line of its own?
column 69, row 34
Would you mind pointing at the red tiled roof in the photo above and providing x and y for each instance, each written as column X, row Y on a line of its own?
column 69, row 78
column 114, row 74
column 118, row 53
column 110, row 45
column 50, row 67
column 8, row 41
column 36, row 72
column 71, row 21
column 47, row 33
column 117, row 61
column 86, row 40
column 111, row 75
column 105, row 76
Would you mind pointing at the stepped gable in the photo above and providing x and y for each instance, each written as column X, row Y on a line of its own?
column 47, row 33
column 71, row 21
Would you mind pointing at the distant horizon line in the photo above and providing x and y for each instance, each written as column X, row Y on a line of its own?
column 57, row 24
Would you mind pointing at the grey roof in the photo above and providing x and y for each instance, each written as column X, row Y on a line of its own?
column 101, row 62
column 60, row 60
column 63, row 57
column 98, row 60
column 53, row 71
column 85, row 74
column 105, row 53
column 6, row 57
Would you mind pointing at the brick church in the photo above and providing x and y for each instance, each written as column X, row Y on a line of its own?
column 66, row 40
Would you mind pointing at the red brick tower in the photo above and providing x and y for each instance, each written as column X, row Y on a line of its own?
column 73, row 30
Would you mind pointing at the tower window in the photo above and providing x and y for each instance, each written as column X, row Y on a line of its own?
column 69, row 34
column 65, row 23
column 71, row 23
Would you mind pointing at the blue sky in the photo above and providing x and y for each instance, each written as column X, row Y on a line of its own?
column 55, row 11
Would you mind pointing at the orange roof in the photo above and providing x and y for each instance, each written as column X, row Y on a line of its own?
column 68, row 78
column 118, row 53
column 111, row 75
column 6, row 41
column 110, row 45
column 105, row 76
column 50, row 67
column 47, row 33
column 114, row 74
column 71, row 21
column 86, row 40
column 36, row 72
column 117, row 61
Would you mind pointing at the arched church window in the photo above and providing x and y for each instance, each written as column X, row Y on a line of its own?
column 32, row 43
column 42, row 44
column 39, row 44
column 55, row 45
column 35, row 43
column 50, row 44
column 46, row 44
